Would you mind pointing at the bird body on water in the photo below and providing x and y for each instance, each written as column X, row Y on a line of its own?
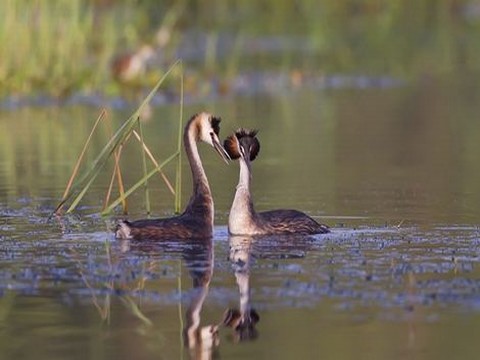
column 197, row 219
column 243, row 219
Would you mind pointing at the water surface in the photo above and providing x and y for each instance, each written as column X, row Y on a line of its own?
column 394, row 171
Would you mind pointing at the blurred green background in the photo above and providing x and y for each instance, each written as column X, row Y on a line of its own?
column 354, row 81
column 67, row 46
column 368, row 118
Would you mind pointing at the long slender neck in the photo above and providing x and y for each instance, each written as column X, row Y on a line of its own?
column 243, row 198
column 200, row 182
column 242, row 212
column 201, row 199
column 244, row 178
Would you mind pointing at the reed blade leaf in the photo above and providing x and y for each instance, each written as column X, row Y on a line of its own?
column 139, row 183
column 144, row 164
column 81, row 186
column 155, row 162
column 128, row 301
column 178, row 175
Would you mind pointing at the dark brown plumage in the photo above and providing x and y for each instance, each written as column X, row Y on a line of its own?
column 289, row 222
column 197, row 219
column 243, row 219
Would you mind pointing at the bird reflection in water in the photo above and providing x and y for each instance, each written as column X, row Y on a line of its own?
column 242, row 320
column 243, row 249
column 202, row 341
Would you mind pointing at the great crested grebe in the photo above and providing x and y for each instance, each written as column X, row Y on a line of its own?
column 197, row 219
column 243, row 219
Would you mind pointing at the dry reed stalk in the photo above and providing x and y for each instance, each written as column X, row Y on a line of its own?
column 117, row 174
column 178, row 172
column 144, row 165
column 77, row 188
column 139, row 183
column 79, row 160
column 155, row 162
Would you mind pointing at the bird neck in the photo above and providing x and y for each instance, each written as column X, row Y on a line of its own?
column 245, row 175
column 201, row 196
column 242, row 212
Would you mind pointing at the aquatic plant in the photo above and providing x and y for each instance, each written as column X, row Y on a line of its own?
column 76, row 189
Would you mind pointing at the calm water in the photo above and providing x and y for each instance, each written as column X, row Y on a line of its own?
column 393, row 170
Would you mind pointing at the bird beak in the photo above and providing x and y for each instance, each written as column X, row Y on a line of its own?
column 246, row 157
column 249, row 166
column 220, row 150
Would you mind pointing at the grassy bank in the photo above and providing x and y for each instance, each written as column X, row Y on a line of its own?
column 64, row 46
column 61, row 46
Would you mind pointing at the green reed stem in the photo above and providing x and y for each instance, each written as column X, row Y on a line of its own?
column 81, row 186
column 155, row 162
column 139, row 183
column 178, row 176
column 144, row 164
column 80, row 158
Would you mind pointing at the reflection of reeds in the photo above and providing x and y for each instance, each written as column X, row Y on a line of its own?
column 76, row 190
column 180, row 311
column 103, row 311
column 138, row 285
column 135, row 310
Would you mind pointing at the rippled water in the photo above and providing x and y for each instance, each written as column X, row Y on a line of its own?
column 394, row 171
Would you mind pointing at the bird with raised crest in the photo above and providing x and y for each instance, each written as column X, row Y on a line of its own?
column 243, row 219
column 197, row 219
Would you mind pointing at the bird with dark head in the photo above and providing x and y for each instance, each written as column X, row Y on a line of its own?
column 243, row 219
column 197, row 219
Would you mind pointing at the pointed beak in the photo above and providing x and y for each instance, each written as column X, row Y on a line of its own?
column 246, row 157
column 220, row 150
